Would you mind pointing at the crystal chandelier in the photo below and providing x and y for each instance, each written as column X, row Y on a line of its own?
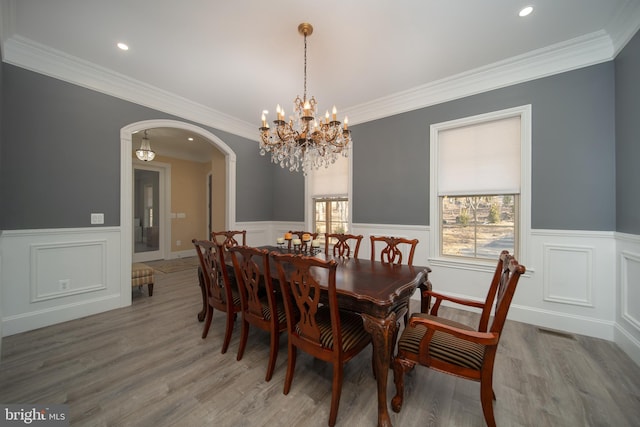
column 304, row 142
column 145, row 152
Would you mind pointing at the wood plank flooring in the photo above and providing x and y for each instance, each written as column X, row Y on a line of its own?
column 146, row 365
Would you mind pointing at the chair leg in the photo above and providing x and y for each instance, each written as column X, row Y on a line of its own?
column 207, row 323
column 291, row 366
column 400, row 368
column 486, row 398
column 150, row 286
column 336, row 391
column 228, row 330
column 273, row 354
column 244, row 334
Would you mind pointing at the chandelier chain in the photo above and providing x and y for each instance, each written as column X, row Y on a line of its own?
column 305, row 67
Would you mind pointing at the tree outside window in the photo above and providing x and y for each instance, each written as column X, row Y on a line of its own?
column 478, row 226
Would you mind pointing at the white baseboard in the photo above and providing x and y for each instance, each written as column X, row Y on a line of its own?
column 62, row 313
column 628, row 343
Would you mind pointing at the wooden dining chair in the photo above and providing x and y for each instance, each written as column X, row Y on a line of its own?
column 321, row 330
column 261, row 305
column 455, row 348
column 340, row 244
column 221, row 294
column 228, row 238
column 391, row 252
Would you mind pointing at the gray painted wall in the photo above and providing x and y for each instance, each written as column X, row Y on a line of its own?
column 628, row 138
column 573, row 149
column 48, row 124
column 60, row 161
column 288, row 198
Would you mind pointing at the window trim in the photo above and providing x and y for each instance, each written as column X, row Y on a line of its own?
column 523, row 227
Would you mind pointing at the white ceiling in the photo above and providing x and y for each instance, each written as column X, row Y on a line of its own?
column 222, row 62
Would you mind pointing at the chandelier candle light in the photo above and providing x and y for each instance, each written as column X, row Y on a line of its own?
column 304, row 141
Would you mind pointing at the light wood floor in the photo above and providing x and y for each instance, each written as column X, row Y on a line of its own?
column 146, row 365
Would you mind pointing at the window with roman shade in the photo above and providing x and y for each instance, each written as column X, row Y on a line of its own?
column 477, row 184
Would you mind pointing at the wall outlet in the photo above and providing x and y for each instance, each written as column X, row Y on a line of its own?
column 178, row 242
column 97, row 218
column 64, row 284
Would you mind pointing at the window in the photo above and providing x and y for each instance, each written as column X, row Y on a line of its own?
column 479, row 226
column 328, row 195
column 480, row 186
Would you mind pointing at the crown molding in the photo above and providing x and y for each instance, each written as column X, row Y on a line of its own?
column 570, row 55
column 624, row 26
column 580, row 52
column 42, row 59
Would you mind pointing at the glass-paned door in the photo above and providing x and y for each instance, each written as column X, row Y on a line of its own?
column 146, row 215
column 331, row 215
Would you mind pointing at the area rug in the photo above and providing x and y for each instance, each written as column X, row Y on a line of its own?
column 174, row 265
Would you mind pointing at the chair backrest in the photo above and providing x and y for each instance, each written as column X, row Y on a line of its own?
column 391, row 253
column 504, row 290
column 253, row 276
column 341, row 246
column 303, row 279
column 214, row 271
column 228, row 237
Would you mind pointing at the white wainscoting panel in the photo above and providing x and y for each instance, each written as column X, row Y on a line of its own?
column 54, row 273
column 627, row 332
column 568, row 274
column 629, row 287
column 51, row 276
column 261, row 233
column 580, row 282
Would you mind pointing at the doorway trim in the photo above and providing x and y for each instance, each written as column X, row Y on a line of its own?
column 126, row 189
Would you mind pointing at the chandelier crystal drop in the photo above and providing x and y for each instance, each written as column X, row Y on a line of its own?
column 145, row 153
column 304, row 141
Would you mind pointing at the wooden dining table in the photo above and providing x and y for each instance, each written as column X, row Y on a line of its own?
column 380, row 293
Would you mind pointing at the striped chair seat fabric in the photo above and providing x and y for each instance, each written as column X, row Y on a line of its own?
column 443, row 346
column 353, row 332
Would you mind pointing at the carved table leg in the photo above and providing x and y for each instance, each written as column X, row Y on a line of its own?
column 203, row 312
column 383, row 333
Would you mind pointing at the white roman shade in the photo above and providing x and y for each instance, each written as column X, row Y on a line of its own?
column 480, row 159
column 332, row 181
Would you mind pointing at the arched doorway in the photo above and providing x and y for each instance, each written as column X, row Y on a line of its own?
column 126, row 185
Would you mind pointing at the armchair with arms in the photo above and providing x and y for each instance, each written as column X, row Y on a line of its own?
column 455, row 348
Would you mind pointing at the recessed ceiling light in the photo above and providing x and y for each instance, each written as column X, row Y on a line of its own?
column 123, row 46
column 190, row 139
column 525, row 11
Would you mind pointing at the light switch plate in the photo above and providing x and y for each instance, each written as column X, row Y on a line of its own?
column 97, row 218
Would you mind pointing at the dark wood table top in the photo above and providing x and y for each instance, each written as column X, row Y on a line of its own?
column 370, row 287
